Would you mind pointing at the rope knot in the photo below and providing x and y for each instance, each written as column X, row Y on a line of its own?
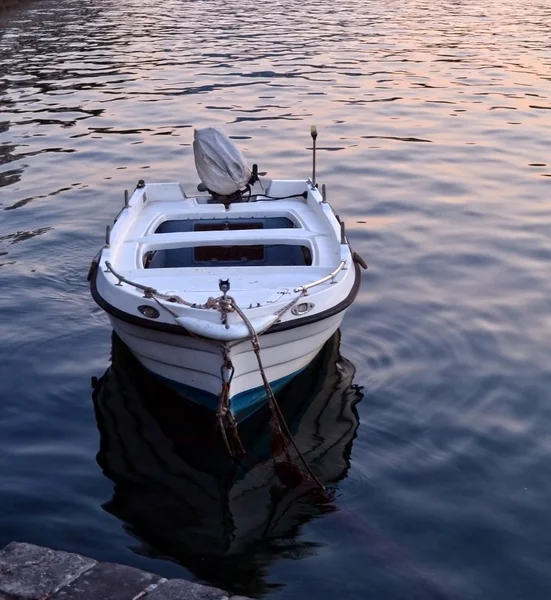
column 211, row 303
column 149, row 292
column 226, row 305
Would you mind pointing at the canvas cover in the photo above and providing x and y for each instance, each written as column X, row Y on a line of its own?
column 220, row 165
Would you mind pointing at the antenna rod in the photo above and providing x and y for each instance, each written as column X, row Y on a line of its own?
column 314, row 134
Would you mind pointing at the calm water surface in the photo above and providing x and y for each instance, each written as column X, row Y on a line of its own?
column 435, row 132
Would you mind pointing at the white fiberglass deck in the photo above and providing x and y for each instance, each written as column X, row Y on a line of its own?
column 313, row 228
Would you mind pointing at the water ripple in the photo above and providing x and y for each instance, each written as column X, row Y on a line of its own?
column 434, row 130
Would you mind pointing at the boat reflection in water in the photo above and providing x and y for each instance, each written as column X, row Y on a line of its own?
column 179, row 492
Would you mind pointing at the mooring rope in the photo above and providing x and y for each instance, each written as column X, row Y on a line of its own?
column 225, row 419
column 152, row 293
column 279, row 420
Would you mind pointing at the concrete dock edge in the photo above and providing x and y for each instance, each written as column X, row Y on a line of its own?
column 29, row 572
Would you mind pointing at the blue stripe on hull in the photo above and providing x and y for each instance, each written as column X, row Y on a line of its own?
column 242, row 405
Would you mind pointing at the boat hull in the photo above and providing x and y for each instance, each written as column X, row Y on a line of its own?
column 194, row 366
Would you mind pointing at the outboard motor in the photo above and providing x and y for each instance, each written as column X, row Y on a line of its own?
column 221, row 166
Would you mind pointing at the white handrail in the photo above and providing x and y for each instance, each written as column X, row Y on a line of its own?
column 304, row 288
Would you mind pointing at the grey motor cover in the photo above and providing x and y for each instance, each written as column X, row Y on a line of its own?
column 220, row 165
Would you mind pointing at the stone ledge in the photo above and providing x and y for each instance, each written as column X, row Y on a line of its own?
column 179, row 589
column 107, row 580
column 29, row 572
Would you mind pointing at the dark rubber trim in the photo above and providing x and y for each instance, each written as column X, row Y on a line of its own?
column 179, row 330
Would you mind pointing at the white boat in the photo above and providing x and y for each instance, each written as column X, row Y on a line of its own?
column 222, row 293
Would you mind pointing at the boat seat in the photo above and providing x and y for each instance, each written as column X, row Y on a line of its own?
column 228, row 224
